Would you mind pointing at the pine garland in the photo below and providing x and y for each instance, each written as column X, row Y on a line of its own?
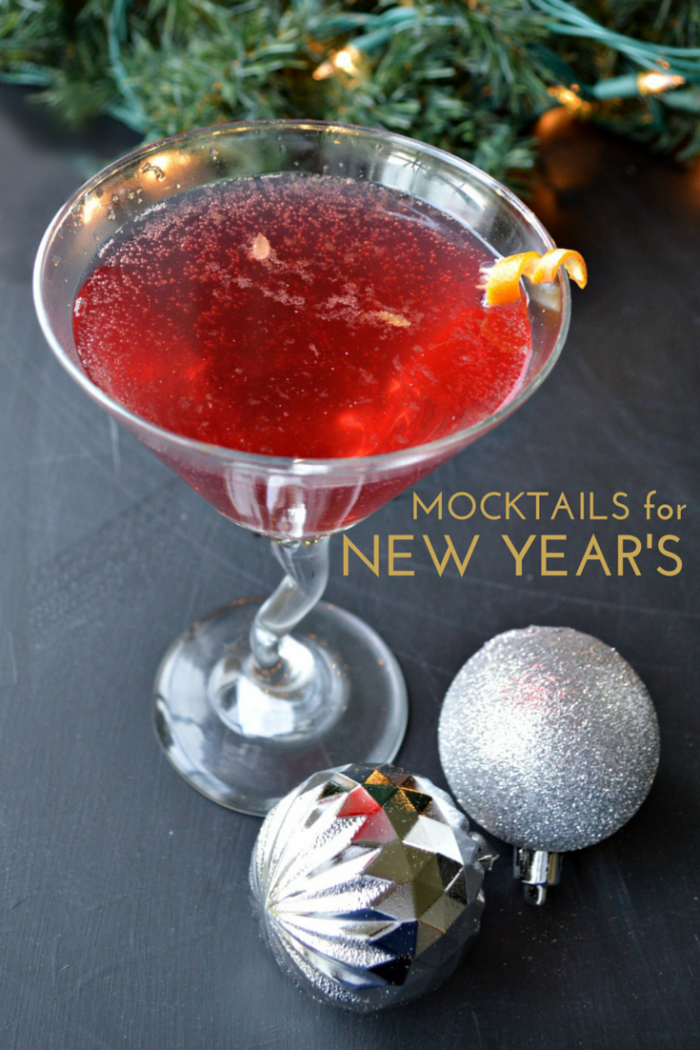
column 468, row 75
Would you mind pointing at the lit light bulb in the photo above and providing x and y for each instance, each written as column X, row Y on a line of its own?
column 323, row 71
column 655, row 83
column 570, row 100
column 345, row 61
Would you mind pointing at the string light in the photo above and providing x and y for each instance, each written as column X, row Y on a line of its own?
column 655, row 83
column 570, row 100
column 345, row 61
column 630, row 85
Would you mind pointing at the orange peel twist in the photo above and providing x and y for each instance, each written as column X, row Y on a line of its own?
column 503, row 278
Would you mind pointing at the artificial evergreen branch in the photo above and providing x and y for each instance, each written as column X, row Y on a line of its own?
column 468, row 75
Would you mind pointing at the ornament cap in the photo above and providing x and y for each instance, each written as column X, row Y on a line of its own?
column 537, row 869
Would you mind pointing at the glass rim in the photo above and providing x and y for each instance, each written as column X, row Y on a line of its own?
column 397, row 457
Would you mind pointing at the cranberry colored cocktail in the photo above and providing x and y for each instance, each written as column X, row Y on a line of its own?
column 299, row 316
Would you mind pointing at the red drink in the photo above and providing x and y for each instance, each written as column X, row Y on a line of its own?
column 299, row 316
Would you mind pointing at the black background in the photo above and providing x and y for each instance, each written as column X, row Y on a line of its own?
column 124, row 913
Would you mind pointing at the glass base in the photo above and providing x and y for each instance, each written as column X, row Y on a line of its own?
column 245, row 737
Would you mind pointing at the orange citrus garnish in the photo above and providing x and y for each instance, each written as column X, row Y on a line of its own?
column 503, row 278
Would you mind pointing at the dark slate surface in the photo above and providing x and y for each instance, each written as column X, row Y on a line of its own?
column 124, row 918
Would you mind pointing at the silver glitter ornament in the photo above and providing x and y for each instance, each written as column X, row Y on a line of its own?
column 550, row 741
column 367, row 884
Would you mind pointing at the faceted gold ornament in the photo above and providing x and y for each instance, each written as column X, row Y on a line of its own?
column 367, row 883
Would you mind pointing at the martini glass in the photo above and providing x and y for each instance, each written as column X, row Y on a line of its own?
column 257, row 696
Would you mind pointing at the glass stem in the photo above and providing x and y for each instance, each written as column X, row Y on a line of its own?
column 306, row 566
